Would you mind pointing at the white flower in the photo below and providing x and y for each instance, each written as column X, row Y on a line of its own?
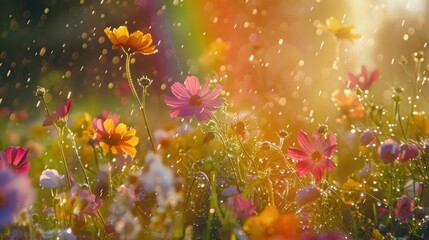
column 50, row 178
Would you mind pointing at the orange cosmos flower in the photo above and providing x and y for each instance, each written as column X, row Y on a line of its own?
column 271, row 225
column 114, row 139
column 136, row 42
column 347, row 101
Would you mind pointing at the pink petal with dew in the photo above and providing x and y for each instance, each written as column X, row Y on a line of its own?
column 297, row 154
column 317, row 172
column 175, row 102
column 329, row 165
column 203, row 115
column 330, row 141
column 192, row 84
column 179, row 90
column 330, row 150
column 305, row 142
column 214, row 103
column 304, row 167
column 213, row 94
column 205, row 88
column 184, row 111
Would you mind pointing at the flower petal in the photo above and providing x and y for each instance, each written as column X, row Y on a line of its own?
column 297, row 154
column 179, row 90
column 193, row 85
column 305, row 142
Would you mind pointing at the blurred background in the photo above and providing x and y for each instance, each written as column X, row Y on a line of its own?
column 274, row 61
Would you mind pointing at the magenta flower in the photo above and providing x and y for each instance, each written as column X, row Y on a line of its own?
column 404, row 208
column 192, row 98
column 315, row 156
column 366, row 138
column 408, row 152
column 83, row 202
column 59, row 114
column 15, row 158
column 388, row 151
column 16, row 193
column 241, row 206
column 363, row 81
column 307, row 195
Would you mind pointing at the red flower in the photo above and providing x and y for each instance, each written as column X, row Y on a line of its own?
column 59, row 114
column 315, row 156
column 16, row 158
column 363, row 81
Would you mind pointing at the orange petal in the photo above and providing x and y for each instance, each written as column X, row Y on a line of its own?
column 109, row 126
column 129, row 150
column 136, row 39
column 121, row 35
column 110, row 36
column 121, row 129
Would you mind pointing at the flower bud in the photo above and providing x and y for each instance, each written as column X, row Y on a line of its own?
column 145, row 81
column 40, row 91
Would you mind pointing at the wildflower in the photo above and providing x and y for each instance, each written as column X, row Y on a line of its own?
column 353, row 195
column 340, row 31
column 159, row 178
column 363, row 81
column 83, row 202
column 315, row 156
column 59, row 116
column 388, row 151
column 114, row 139
column 241, row 206
column 16, row 193
column 15, row 158
column 192, row 98
column 420, row 123
column 163, row 138
column 307, row 195
column 404, row 208
column 137, row 42
column 408, row 152
column 366, row 138
column 348, row 102
column 270, row 224
column 50, row 178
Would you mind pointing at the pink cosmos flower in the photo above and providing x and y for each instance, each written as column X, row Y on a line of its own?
column 404, row 208
column 408, row 152
column 363, row 81
column 241, row 206
column 315, row 156
column 15, row 158
column 388, row 151
column 192, row 98
column 59, row 114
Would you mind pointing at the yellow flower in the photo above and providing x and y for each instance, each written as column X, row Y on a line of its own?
column 376, row 235
column 271, row 225
column 136, row 42
column 114, row 139
column 80, row 127
column 353, row 196
column 347, row 101
column 338, row 30
column 420, row 123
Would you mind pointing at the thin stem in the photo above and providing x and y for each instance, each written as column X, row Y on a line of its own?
column 79, row 159
column 146, row 122
column 136, row 96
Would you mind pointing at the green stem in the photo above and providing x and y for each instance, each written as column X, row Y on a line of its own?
column 136, row 96
column 270, row 189
column 79, row 160
column 214, row 207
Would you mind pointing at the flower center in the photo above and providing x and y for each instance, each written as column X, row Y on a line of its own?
column 196, row 100
column 113, row 140
column 316, row 156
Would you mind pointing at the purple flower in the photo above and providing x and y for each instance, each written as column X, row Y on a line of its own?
column 408, row 152
column 404, row 208
column 50, row 178
column 366, row 138
column 15, row 158
column 388, row 151
column 16, row 193
column 307, row 195
column 192, row 98
column 241, row 206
